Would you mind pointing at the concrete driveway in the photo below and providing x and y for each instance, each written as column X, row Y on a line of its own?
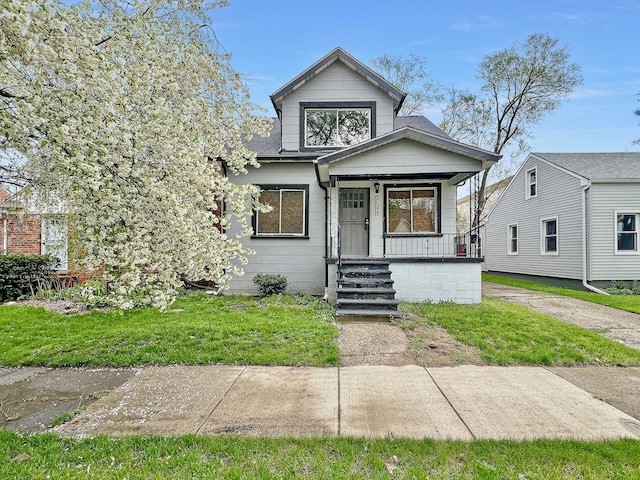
column 618, row 325
column 618, row 386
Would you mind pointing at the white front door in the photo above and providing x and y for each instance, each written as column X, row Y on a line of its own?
column 54, row 239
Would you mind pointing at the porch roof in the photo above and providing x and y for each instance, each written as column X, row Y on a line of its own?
column 408, row 133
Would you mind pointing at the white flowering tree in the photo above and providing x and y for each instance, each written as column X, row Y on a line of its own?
column 122, row 109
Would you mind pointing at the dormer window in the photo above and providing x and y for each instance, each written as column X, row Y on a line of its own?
column 336, row 125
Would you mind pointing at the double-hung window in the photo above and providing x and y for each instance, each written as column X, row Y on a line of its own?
column 288, row 214
column 54, row 237
column 549, row 236
column 412, row 210
column 336, row 125
column 531, row 183
column 513, row 239
column 627, row 232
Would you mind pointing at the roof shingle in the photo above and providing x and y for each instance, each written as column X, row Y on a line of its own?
column 598, row 166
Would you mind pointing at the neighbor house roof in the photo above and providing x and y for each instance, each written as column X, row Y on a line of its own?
column 597, row 166
column 338, row 54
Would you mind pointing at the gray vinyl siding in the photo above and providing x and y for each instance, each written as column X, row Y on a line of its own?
column 559, row 195
column 301, row 260
column 337, row 83
column 606, row 199
column 404, row 157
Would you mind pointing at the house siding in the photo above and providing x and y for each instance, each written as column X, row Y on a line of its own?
column 336, row 83
column 301, row 260
column 404, row 157
column 606, row 199
column 559, row 195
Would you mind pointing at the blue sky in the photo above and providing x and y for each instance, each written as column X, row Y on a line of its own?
column 274, row 40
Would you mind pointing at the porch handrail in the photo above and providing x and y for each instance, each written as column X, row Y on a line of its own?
column 339, row 247
column 446, row 245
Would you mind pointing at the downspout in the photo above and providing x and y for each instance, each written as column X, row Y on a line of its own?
column 584, row 242
column 326, row 232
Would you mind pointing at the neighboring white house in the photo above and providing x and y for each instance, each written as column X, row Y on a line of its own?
column 355, row 189
column 570, row 216
column 467, row 203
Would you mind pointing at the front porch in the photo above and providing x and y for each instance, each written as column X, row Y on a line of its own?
column 410, row 227
column 393, row 199
column 436, row 279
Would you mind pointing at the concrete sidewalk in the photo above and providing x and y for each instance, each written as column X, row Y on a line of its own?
column 464, row 403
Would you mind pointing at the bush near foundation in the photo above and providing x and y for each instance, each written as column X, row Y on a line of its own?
column 20, row 275
column 270, row 284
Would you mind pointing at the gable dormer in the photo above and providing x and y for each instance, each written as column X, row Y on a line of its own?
column 335, row 103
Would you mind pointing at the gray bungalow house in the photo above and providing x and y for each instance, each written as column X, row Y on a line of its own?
column 569, row 216
column 364, row 201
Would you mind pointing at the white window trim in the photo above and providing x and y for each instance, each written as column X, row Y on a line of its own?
column 527, row 185
column 615, row 233
column 509, row 238
column 543, row 236
column 46, row 226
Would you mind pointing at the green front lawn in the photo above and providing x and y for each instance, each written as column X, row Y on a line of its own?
column 198, row 329
column 508, row 334
column 630, row 303
column 48, row 456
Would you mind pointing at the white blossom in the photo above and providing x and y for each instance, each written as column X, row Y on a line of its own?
column 120, row 108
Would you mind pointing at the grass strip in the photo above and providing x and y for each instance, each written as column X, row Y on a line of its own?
column 198, row 329
column 508, row 334
column 49, row 456
column 629, row 303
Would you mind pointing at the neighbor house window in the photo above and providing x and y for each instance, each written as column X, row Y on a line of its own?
column 549, row 235
column 336, row 125
column 627, row 232
column 288, row 215
column 54, row 237
column 412, row 210
column 532, row 183
column 513, row 239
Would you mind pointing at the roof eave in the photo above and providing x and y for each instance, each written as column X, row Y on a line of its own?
column 337, row 54
column 488, row 159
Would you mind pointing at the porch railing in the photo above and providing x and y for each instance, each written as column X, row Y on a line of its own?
column 433, row 246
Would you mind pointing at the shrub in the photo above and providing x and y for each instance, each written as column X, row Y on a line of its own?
column 21, row 274
column 618, row 288
column 270, row 284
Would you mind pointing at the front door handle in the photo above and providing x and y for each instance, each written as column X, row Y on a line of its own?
column 366, row 224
